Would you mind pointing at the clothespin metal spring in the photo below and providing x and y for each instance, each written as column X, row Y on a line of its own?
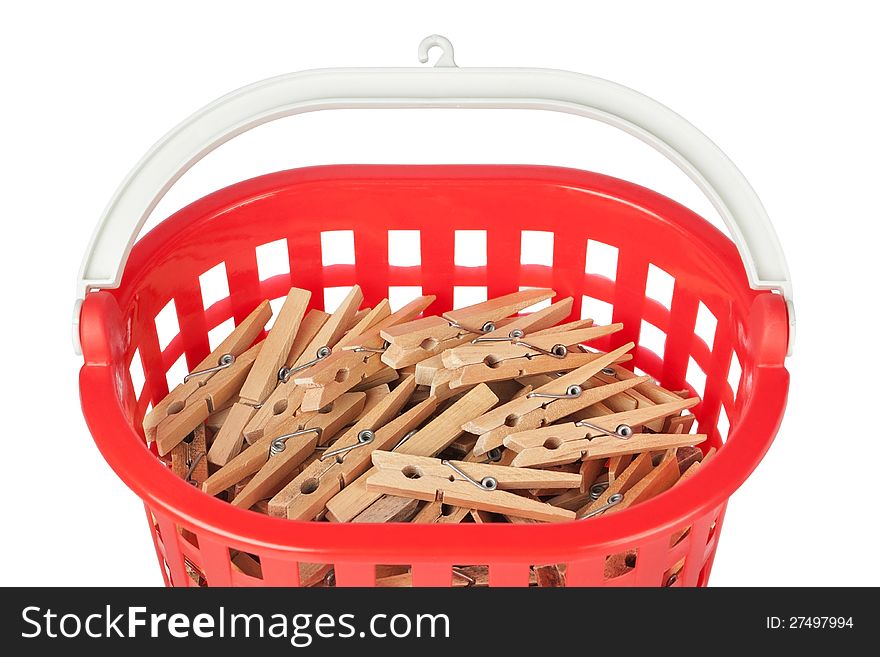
column 515, row 338
column 572, row 392
column 372, row 350
column 285, row 373
column 364, row 437
column 193, row 463
column 486, row 483
column 493, row 455
column 488, row 327
column 596, row 490
column 623, row 431
column 279, row 443
column 614, row 500
column 223, row 362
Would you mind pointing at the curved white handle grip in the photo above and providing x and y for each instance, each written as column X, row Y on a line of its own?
column 443, row 86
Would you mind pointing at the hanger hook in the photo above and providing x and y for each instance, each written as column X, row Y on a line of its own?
column 447, row 58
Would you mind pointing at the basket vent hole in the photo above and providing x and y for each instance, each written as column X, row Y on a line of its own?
column 621, row 563
column 468, row 295
column 136, row 371
column 601, row 259
column 319, row 575
column 167, row 327
column 272, row 259
column 696, row 377
column 470, row 248
column 660, row 286
column 554, row 442
column 195, row 574
column 214, row 285
column 411, row 472
column 404, row 248
column 246, row 563
column 599, row 311
column 393, row 576
column 309, row 486
column 652, row 338
column 706, row 325
column 734, row 375
column 536, row 247
column 550, row 576
column 400, row 295
column 337, row 247
column 279, row 407
column 723, row 424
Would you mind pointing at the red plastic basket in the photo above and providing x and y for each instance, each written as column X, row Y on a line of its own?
column 194, row 533
column 739, row 371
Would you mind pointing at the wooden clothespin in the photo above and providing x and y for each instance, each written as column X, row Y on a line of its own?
column 561, row 397
column 499, row 364
column 413, row 341
column 356, row 359
column 430, row 440
column 189, row 404
column 470, row 485
column 285, row 400
column 285, row 457
column 520, row 345
column 307, row 432
column 305, row 497
column 600, row 437
column 262, row 378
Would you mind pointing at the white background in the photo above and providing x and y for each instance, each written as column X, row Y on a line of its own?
column 787, row 89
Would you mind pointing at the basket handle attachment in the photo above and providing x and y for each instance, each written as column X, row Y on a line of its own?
column 444, row 85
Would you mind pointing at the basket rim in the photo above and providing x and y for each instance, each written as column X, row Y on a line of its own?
column 124, row 449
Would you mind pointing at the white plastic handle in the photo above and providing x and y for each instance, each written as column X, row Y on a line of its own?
column 442, row 86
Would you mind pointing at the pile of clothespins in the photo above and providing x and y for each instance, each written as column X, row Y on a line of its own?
column 478, row 415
